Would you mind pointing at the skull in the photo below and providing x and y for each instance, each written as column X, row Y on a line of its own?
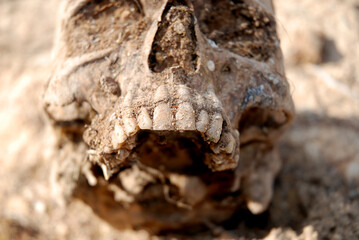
column 179, row 103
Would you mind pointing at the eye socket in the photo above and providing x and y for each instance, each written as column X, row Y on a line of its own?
column 101, row 24
column 246, row 30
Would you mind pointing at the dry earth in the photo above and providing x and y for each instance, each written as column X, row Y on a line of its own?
column 317, row 192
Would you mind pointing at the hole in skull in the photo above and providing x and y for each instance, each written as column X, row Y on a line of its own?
column 234, row 25
column 181, row 152
column 257, row 123
column 175, row 40
column 102, row 24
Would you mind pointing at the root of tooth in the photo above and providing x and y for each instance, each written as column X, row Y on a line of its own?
column 161, row 94
column 185, row 117
column 127, row 101
column 183, row 93
column 130, row 125
column 144, row 119
column 105, row 171
column 118, row 136
column 203, row 121
column 215, row 129
column 199, row 101
column 162, row 117
column 213, row 100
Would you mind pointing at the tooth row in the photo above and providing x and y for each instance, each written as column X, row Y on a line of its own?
column 162, row 120
column 185, row 118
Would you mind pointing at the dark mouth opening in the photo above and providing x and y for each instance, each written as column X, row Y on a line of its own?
column 172, row 151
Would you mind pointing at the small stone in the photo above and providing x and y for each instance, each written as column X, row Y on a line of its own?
column 179, row 28
column 210, row 65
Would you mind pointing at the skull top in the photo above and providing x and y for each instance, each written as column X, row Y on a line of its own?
column 171, row 83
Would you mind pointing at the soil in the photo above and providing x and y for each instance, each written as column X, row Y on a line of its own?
column 316, row 193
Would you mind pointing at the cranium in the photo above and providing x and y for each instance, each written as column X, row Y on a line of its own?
column 179, row 102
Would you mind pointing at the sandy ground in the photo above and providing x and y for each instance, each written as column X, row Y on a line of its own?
column 317, row 192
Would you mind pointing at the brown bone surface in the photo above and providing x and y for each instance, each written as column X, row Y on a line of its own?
column 169, row 110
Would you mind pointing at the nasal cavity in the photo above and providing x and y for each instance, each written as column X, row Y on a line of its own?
column 175, row 41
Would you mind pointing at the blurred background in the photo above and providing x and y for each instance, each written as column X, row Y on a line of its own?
column 317, row 192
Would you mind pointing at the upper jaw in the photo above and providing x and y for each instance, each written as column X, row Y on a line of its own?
column 173, row 110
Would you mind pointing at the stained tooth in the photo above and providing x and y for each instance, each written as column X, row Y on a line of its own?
column 203, row 121
column 118, row 136
column 161, row 94
column 231, row 143
column 185, row 117
column 144, row 119
column 183, row 93
column 130, row 125
column 215, row 129
column 162, row 117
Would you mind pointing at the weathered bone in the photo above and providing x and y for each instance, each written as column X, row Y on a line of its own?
column 168, row 95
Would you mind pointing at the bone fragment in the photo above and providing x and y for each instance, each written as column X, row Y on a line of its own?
column 105, row 171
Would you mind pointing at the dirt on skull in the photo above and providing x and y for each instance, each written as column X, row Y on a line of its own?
column 159, row 99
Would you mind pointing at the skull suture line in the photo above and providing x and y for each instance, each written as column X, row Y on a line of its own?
column 179, row 102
